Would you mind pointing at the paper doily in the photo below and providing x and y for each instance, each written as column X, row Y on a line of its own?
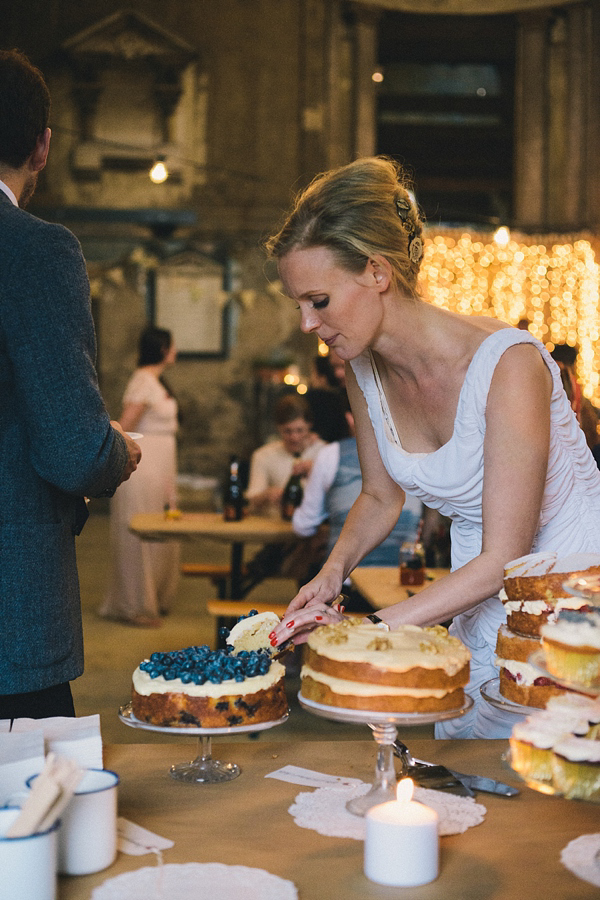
column 582, row 857
column 196, row 881
column 324, row 810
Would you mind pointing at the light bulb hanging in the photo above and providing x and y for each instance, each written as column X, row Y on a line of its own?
column 159, row 172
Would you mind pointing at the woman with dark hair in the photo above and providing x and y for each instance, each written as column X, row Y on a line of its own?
column 144, row 574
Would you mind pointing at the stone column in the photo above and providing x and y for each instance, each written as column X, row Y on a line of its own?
column 530, row 120
column 591, row 187
column 313, row 87
column 577, row 118
column 365, row 62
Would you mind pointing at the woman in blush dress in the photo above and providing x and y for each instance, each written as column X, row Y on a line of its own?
column 464, row 412
column 144, row 574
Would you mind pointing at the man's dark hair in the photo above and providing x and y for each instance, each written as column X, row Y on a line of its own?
column 564, row 353
column 291, row 407
column 24, row 107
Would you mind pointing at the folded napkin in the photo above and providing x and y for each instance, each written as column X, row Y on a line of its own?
column 24, row 747
column 78, row 739
column 136, row 841
column 21, row 755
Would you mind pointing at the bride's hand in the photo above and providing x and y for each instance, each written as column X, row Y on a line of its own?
column 298, row 625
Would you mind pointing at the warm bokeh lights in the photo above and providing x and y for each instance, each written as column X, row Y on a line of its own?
column 551, row 282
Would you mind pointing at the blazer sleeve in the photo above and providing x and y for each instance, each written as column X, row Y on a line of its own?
column 47, row 327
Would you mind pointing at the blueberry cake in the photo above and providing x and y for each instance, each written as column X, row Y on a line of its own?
column 203, row 688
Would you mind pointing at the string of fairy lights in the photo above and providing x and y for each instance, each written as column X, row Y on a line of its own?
column 551, row 283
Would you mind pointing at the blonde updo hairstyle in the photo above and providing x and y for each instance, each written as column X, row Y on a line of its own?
column 359, row 211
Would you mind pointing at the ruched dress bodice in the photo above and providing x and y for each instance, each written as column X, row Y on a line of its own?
column 451, row 480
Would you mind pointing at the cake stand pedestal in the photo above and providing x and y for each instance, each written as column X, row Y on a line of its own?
column 203, row 769
column 384, row 727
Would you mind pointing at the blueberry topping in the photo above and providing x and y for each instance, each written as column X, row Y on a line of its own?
column 199, row 664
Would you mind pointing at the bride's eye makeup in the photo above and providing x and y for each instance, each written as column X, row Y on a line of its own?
column 320, row 304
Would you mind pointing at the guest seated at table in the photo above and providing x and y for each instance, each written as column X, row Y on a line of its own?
column 463, row 411
column 586, row 413
column 294, row 452
column 321, row 374
column 270, row 469
column 330, row 491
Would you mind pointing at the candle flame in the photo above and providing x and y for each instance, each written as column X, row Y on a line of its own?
column 404, row 790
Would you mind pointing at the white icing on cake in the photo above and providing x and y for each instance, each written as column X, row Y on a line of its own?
column 543, row 735
column 571, row 721
column 145, row 685
column 522, row 672
column 583, row 633
column 544, row 563
column 401, row 650
column 360, row 689
column 577, row 749
column 583, row 706
column 537, row 607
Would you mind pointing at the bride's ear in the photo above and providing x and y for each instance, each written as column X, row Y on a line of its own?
column 377, row 274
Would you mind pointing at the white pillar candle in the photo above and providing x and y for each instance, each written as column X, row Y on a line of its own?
column 402, row 844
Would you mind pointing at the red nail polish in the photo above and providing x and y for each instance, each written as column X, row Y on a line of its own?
column 318, row 618
column 342, row 608
column 271, row 635
column 273, row 642
column 290, row 624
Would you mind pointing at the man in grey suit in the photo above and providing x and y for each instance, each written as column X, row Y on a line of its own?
column 57, row 444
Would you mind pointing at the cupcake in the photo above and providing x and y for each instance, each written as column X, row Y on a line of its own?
column 571, row 647
column 585, row 707
column 531, row 748
column 576, row 768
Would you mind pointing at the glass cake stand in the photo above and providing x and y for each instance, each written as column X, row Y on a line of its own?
column 586, row 587
column 203, row 769
column 490, row 691
column 385, row 731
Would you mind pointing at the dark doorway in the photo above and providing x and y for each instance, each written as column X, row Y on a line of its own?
column 445, row 109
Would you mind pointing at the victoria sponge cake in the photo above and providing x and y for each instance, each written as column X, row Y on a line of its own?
column 409, row 669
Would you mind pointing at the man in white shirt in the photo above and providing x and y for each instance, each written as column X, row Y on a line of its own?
column 293, row 453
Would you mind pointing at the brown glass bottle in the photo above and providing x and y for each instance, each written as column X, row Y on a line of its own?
column 233, row 501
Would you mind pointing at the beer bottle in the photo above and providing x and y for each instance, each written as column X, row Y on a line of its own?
column 292, row 496
column 233, row 501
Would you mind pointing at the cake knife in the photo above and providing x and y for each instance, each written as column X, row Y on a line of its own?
column 475, row 782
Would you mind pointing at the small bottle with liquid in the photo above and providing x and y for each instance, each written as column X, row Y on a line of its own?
column 292, row 496
column 233, row 501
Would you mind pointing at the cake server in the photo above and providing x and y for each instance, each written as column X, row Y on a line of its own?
column 428, row 774
column 473, row 782
column 480, row 783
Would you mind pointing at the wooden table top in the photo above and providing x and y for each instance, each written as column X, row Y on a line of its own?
column 380, row 585
column 514, row 853
column 211, row 525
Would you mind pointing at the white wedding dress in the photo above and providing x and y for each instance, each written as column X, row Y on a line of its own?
column 451, row 480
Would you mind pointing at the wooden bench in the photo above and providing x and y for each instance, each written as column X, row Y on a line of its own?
column 227, row 612
column 217, row 572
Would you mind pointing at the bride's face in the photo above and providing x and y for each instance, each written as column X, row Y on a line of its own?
column 344, row 308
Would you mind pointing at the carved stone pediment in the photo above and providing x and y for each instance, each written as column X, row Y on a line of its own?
column 129, row 35
column 119, row 58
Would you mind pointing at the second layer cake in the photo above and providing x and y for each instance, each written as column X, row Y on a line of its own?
column 410, row 669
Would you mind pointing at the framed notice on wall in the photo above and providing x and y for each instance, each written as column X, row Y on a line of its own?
column 189, row 299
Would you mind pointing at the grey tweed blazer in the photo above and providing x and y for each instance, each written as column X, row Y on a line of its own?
column 56, row 446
